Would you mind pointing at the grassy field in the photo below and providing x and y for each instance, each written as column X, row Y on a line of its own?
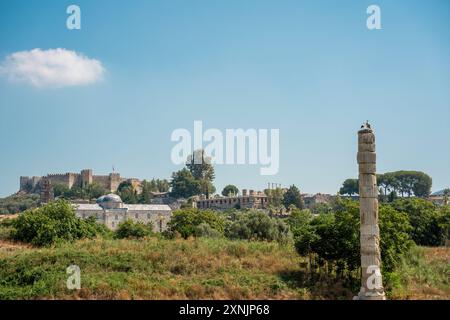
column 195, row 269
column 423, row 274
column 153, row 269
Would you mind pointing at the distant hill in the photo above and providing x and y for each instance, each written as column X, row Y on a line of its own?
column 18, row 202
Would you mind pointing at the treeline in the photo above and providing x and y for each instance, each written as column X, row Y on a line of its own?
column 395, row 184
column 125, row 190
column 129, row 194
column 91, row 191
column 232, row 224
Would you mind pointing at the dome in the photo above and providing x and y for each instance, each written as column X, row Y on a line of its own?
column 110, row 198
column 110, row 201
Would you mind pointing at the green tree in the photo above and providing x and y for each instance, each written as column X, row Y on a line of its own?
column 256, row 225
column 186, row 221
column 275, row 197
column 184, row 185
column 162, row 185
column 293, row 197
column 127, row 192
column 422, row 184
column 446, row 194
column 424, row 218
column 132, row 229
column 199, row 164
column 146, row 194
column 408, row 183
column 334, row 237
column 444, row 223
column 61, row 190
column 350, row 187
column 206, row 231
column 52, row 223
column 76, row 192
column 230, row 190
column 303, row 232
column 94, row 191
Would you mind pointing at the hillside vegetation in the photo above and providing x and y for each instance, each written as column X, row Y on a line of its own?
column 202, row 268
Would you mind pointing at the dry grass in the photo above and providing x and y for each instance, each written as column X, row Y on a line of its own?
column 424, row 275
column 155, row 269
column 196, row 269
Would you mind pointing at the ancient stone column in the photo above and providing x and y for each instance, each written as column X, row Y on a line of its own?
column 371, row 284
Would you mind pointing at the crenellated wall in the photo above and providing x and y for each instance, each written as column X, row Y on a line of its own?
column 109, row 182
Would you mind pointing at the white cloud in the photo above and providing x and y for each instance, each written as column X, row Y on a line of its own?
column 51, row 68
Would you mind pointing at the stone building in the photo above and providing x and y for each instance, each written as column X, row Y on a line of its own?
column 110, row 210
column 440, row 197
column 249, row 200
column 85, row 177
column 46, row 194
column 312, row 200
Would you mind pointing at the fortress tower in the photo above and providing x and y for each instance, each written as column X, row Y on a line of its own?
column 86, row 177
column 371, row 282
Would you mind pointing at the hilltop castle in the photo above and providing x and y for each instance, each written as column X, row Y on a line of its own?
column 109, row 182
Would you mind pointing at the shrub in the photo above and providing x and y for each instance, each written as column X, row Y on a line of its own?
column 18, row 203
column 444, row 223
column 256, row 225
column 132, row 229
column 205, row 230
column 424, row 217
column 52, row 223
column 300, row 224
column 334, row 238
column 186, row 221
column 395, row 238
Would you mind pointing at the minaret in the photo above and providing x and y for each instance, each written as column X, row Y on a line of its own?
column 371, row 284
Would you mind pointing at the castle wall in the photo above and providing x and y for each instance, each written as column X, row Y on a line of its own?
column 109, row 182
column 102, row 181
column 66, row 179
column 114, row 181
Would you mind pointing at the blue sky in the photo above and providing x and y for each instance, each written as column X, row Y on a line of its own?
column 309, row 68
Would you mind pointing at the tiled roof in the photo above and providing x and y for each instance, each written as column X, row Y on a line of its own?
column 137, row 207
column 133, row 207
column 88, row 206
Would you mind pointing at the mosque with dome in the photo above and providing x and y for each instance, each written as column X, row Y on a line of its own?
column 111, row 211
